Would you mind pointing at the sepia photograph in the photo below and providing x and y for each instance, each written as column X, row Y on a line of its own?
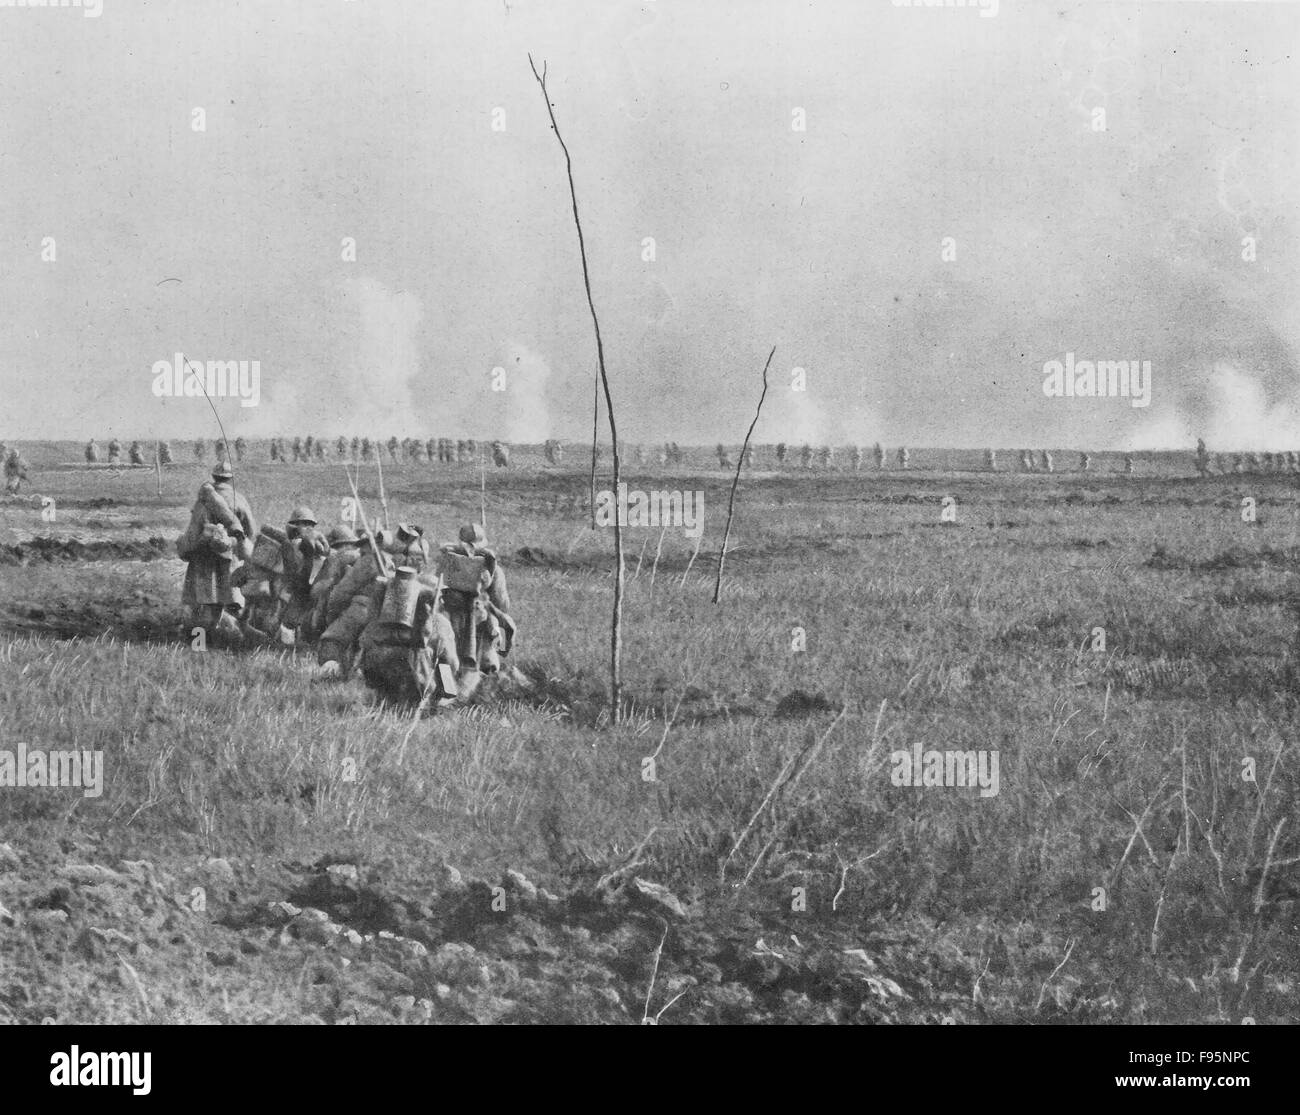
column 650, row 512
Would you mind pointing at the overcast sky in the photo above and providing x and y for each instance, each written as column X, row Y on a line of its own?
column 373, row 119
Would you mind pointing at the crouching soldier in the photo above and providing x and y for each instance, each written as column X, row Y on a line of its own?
column 408, row 649
column 345, row 548
column 305, row 550
column 218, row 538
column 476, row 601
column 261, row 580
column 353, row 602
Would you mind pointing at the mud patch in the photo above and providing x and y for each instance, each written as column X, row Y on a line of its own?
column 60, row 550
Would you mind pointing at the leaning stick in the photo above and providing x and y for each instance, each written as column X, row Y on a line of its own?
column 740, row 461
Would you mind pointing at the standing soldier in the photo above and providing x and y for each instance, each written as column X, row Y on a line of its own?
column 241, row 447
column 393, row 445
column 500, row 454
column 92, row 452
column 990, row 460
column 676, row 455
column 200, row 449
column 462, row 453
column 749, row 456
column 219, row 535
column 724, row 459
column 367, row 451
column 296, row 446
column 806, row 456
column 904, row 458
column 275, row 449
column 320, row 450
column 878, row 451
column 1202, row 458
column 15, row 472
column 855, row 458
column 356, row 450
column 826, row 456
column 430, row 451
column 471, row 446
column 114, row 451
column 164, row 453
column 1085, row 462
column 137, row 453
column 1128, row 464
column 341, row 448
column 1047, row 461
column 308, row 447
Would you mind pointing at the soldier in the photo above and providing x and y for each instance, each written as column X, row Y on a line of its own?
column 806, row 456
column 724, row 458
column 137, row 453
column 855, row 458
column 471, row 447
column 990, row 460
column 296, row 446
column 344, row 550
column 393, row 445
column 92, row 452
column 320, row 450
column 1128, row 464
column 408, row 649
column 674, row 456
column 878, row 451
column 1047, row 461
column 219, row 535
column 904, row 458
column 352, row 603
column 430, row 449
column 275, row 450
column 1085, row 462
column 477, row 601
column 749, row 456
column 164, row 453
column 1252, row 462
column 114, row 451
column 200, row 449
column 15, row 472
column 241, row 447
column 304, row 551
column 500, row 454
column 826, row 456
column 356, row 450
column 308, row 447
column 341, row 447
column 367, row 451
column 1202, row 458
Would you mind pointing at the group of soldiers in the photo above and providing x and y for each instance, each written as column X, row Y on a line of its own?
column 1238, row 463
column 311, row 449
column 422, row 625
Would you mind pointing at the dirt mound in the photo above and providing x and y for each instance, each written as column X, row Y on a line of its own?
column 38, row 550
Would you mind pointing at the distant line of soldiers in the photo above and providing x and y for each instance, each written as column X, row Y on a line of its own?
column 370, row 601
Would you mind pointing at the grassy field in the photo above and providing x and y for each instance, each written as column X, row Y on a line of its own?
column 1126, row 870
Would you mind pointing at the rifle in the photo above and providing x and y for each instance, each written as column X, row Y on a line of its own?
column 383, row 499
column 374, row 546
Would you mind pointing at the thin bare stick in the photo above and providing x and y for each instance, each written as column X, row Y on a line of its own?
column 735, row 483
column 616, row 626
column 1043, row 990
column 794, row 769
column 698, row 541
column 645, row 1014
column 658, row 550
column 1268, row 860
